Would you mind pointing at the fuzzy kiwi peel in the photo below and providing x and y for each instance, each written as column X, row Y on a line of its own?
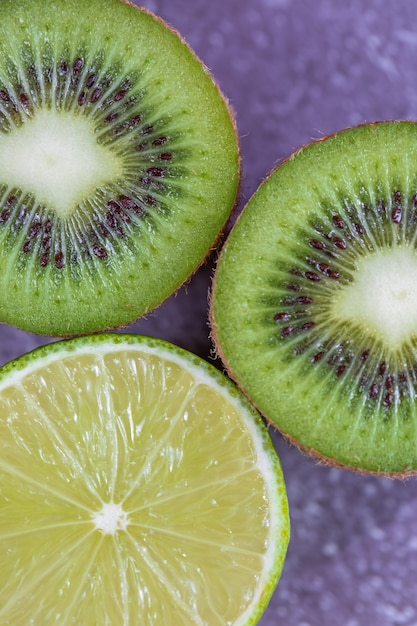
column 314, row 301
column 119, row 164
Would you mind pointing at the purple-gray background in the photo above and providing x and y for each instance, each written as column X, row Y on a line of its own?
column 295, row 70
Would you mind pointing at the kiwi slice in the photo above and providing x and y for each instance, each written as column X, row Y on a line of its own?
column 314, row 303
column 119, row 164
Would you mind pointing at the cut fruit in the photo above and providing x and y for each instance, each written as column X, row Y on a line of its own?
column 314, row 303
column 119, row 164
column 137, row 487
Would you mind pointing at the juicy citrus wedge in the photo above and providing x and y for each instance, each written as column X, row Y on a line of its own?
column 137, row 487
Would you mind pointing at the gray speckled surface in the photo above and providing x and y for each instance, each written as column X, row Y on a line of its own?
column 295, row 70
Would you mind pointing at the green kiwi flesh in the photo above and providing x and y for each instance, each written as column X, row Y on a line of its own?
column 314, row 301
column 119, row 164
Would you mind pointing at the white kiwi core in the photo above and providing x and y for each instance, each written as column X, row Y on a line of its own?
column 383, row 295
column 55, row 156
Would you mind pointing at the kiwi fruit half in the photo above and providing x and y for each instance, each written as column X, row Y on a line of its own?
column 314, row 302
column 119, row 163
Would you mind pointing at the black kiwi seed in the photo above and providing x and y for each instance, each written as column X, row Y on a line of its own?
column 330, row 357
column 77, row 66
column 99, row 252
column 63, row 68
column 82, row 98
column 160, row 141
column 90, row 80
column 96, row 95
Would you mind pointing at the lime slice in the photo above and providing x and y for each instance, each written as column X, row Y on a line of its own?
column 137, row 487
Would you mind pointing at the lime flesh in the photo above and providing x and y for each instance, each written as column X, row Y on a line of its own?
column 137, row 486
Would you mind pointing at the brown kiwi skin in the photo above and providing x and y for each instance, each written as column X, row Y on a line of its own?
column 222, row 231
column 312, row 453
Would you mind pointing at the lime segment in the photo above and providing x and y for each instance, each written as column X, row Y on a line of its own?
column 137, row 486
